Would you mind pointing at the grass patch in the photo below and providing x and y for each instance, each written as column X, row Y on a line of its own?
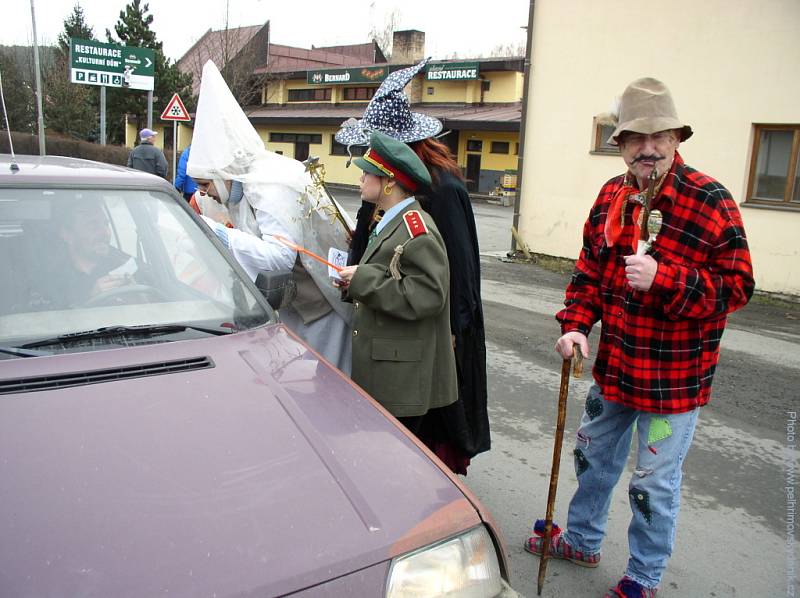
column 559, row 265
column 791, row 302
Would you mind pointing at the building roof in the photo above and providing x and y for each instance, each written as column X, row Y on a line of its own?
column 288, row 59
column 495, row 117
column 219, row 46
column 368, row 52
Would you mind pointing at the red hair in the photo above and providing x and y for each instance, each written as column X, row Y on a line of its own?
column 437, row 157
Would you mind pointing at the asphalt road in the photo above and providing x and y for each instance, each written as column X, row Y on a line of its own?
column 732, row 533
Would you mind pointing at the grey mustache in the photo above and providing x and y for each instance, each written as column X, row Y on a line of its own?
column 650, row 157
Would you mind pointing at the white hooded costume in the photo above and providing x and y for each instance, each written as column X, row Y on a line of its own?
column 279, row 199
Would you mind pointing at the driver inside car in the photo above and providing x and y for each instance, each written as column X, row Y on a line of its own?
column 88, row 266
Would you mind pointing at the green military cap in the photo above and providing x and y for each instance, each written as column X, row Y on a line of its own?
column 387, row 157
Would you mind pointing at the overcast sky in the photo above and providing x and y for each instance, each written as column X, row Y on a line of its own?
column 450, row 26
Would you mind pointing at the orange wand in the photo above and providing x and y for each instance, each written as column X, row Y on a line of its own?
column 310, row 254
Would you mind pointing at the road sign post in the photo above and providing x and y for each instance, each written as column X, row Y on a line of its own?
column 175, row 112
column 111, row 65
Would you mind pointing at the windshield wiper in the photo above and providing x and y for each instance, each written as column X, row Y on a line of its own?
column 22, row 352
column 111, row 331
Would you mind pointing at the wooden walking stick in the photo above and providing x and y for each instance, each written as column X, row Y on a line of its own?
column 577, row 361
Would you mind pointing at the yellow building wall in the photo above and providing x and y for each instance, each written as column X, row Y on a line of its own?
column 489, row 161
column 277, row 92
column 274, row 92
column 132, row 134
column 444, row 92
column 749, row 62
column 185, row 134
column 287, row 149
column 336, row 169
column 504, row 86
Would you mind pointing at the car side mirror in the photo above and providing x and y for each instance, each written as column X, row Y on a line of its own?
column 277, row 287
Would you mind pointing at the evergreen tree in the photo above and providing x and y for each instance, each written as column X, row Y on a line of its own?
column 19, row 96
column 70, row 108
column 134, row 29
column 74, row 26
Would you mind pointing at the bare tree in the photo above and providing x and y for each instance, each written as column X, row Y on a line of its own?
column 240, row 53
column 383, row 33
column 513, row 49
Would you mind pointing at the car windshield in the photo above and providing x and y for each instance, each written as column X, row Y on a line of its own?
column 77, row 260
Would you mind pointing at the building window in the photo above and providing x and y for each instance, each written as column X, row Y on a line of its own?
column 295, row 138
column 485, row 85
column 474, row 145
column 775, row 166
column 600, row 134
column 359, row 93
column 338, row 149
column 516, row 149
column 430, row 91
column 320, row 94
column 499, row 147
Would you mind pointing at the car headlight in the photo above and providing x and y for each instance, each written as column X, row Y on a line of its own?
column 465, row 566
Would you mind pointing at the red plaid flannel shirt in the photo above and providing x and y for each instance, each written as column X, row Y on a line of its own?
column 658, row 349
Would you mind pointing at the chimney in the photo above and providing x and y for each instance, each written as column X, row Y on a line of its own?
column 408, row 47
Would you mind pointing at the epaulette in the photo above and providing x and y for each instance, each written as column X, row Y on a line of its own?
column 415, row 225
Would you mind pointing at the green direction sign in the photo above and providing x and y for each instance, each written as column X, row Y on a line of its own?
column 366, row 74
column 452, row 71
column 142, row 60
column 98, row 63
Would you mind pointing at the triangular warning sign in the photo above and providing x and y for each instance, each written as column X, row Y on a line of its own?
column 175, row 110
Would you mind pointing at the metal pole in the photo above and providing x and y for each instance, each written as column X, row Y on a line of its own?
column 150, row 109
column 102, row 115
column 174, row 147
column 37, row 68
column 525, row 99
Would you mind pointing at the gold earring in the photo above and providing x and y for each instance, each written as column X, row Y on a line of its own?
column 387, row 190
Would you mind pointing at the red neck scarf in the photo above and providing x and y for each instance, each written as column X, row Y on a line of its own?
column 615, row 219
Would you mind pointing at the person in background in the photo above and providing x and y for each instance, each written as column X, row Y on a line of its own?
column 402, row 347
column 147, row 157
column 460, row 431
column 663, row 310
column 183, row 182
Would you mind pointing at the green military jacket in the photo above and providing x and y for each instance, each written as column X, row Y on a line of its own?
column 402, row 347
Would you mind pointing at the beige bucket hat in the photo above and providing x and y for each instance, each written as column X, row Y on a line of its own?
column 647, row 107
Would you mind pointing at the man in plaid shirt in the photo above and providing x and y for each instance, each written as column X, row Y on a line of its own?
column 663, row 313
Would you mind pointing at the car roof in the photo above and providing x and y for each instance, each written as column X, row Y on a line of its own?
column 64, row 171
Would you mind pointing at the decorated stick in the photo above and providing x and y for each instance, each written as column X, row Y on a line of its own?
column 644, row 215
column 577, row 360
column 317, row 172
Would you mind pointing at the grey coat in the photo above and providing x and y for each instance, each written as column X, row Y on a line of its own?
column 402, row 347
column 148, row 158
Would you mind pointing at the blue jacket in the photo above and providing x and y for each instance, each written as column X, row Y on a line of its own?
column 183, row 182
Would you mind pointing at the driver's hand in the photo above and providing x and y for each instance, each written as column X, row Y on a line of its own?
column 108, row 282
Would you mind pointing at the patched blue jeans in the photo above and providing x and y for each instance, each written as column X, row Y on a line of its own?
column 602, row 448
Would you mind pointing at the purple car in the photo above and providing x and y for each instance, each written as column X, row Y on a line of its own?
column 162, row 434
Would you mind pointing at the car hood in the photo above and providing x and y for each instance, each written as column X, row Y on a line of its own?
column 264, row 471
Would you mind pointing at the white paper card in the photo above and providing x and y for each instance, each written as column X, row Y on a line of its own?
column 338, row 257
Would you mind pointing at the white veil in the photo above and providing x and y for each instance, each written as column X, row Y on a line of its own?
column 226, row 146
